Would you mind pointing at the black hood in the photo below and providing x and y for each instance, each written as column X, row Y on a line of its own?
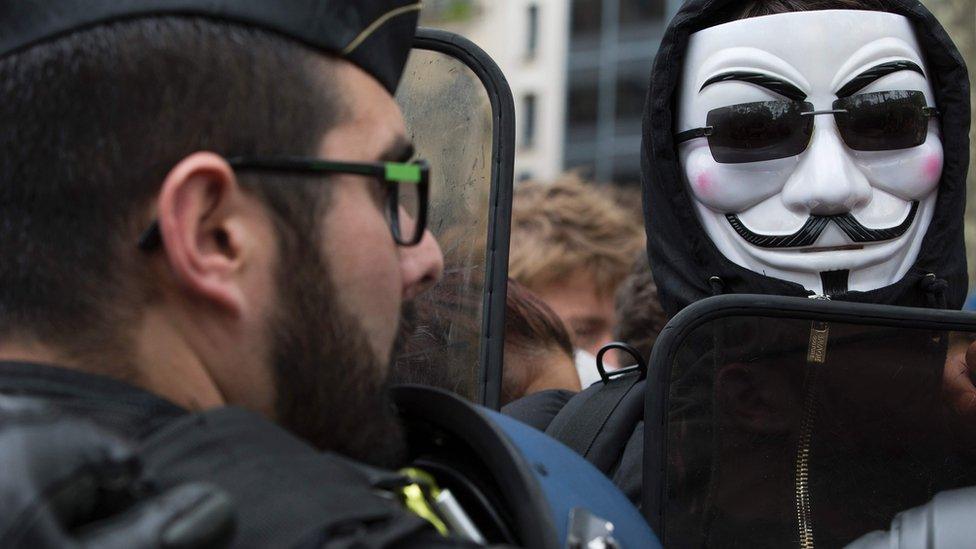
column 687, row 265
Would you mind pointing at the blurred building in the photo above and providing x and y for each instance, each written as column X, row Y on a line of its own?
column 528, row 40
column 578, row 71
column 612, row 44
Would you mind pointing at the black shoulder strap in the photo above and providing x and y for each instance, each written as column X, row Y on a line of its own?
column 285, row 491
column 585, row 419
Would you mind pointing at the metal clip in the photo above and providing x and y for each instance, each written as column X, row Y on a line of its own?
column 641, row 365
column 437, row 506
column 588, row 531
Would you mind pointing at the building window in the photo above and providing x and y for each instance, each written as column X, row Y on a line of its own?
column 636, row 13
column 626, row 171
column 585, row 18
column 632, row 82
column 528, row 120
column 532, row 41
column 582, row 101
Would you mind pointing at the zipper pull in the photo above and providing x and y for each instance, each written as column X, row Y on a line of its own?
column 819, row 334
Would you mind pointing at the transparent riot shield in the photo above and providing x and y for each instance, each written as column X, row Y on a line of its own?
column 460, row 115
column 784, row 422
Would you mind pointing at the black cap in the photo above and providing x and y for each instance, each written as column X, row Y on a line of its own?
column 376, row 35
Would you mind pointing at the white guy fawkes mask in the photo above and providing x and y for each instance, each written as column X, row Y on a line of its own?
column 807, row 209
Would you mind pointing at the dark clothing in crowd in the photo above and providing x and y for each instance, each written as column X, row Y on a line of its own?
column 688, row 267
column 285, row 492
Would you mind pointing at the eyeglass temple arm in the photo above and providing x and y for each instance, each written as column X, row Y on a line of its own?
column 688, row 135
column 151, row 238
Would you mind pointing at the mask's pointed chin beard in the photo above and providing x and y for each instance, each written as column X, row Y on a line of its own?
column 835, row 282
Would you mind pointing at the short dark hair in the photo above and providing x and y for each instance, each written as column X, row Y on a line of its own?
column 640, row 317
column 531, row 327
column 530, row 323
column 758, row 8
column 91, row 123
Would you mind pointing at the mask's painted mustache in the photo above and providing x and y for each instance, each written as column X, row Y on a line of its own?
column 814, row 227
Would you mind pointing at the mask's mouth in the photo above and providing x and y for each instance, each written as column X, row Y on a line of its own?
column 815, row 226
column 832, row 249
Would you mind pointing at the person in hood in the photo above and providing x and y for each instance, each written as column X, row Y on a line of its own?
column 820, row 150
column 793, row 149
column 808, row 148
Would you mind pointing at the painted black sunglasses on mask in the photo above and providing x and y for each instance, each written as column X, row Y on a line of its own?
column 767, row 130
column 406, row 186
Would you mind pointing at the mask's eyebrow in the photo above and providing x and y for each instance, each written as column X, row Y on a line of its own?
column 862, row 80
column 771, row 83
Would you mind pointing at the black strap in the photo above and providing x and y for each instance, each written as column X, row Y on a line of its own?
column 585, row 416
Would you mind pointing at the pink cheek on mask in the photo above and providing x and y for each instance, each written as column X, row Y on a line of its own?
column 704, row 185
column 932, row 168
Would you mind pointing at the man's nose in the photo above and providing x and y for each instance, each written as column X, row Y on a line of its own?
column 826, row 181
column 421, row 266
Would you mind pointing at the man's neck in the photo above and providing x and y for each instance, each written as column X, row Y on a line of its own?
column 162, row 364
column 169, row 367
column 28, row 351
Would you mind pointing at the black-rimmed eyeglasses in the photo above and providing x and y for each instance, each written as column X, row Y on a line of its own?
column 406, row 186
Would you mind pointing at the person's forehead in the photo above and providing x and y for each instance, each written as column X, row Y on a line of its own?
column 371, row 124
column 816, row 48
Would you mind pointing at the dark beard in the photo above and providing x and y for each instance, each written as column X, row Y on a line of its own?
column 331, row 389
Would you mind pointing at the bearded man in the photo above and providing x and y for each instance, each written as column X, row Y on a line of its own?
column 206, row 204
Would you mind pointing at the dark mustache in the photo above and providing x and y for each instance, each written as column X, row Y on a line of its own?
column 815, row 226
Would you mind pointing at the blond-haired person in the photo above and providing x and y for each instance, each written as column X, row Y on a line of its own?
column 573, row 244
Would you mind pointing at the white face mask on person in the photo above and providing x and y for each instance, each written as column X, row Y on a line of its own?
column 810, row 145
column 586, row 368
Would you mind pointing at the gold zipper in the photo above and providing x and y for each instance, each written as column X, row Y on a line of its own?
column 816, row 356
column 801, row 475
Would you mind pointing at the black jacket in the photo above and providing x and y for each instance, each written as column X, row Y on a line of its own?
column 687, row 265
column 285, row 492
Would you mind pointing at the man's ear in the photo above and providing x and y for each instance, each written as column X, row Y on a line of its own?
column 200, row 206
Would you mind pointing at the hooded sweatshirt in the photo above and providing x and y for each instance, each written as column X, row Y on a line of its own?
column 688, row 266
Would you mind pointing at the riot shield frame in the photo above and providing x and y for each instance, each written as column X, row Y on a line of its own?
column 491, row 344
column 726, row 306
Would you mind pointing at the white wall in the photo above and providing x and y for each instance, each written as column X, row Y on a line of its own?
column 501, row 29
